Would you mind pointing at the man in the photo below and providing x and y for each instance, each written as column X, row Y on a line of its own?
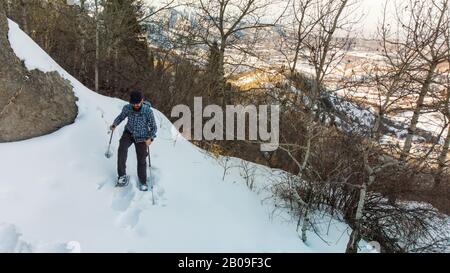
column 140, row 131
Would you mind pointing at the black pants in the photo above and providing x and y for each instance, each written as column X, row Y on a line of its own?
column 141, row 153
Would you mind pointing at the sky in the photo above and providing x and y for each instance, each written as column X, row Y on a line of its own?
column 371, row 12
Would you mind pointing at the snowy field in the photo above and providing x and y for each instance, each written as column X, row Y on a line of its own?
column 57, row 191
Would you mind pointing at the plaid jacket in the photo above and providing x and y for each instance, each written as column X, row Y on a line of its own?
column 141, row 124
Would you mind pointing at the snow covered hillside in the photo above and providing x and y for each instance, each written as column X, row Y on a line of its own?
column 57, row 191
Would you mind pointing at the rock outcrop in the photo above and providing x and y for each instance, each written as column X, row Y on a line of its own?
column 32, row 103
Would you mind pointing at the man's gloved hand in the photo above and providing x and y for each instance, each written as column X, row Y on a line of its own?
column 112, row 127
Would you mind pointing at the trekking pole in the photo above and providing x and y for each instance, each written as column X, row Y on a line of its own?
column 150, row 175
column 149, row 162
column 108, row 153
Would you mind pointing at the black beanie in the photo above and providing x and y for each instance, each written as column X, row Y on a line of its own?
column 135, row 97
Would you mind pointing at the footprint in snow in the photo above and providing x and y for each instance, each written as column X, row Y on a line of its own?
column 129, row 218
column 122, row 198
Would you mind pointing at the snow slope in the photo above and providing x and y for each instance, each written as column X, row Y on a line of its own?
column 57, row 194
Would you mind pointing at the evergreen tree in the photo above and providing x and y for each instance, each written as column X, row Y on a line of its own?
column 125, row 53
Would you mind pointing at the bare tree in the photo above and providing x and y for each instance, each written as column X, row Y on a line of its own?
column 315, row 40
column 371, row 173
column 248, row 173
column 425, row 22
column 229, row 24
column 298, row 22
column 391, row 79
column 442, row 159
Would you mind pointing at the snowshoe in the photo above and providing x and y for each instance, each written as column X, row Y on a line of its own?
column 143, row 187
column 123, row 181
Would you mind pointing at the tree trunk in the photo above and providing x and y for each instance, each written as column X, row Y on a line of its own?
column 295, row 60
column 442, row 160
column 379, row 121
column 415, row 119
column 221, row 74
column 107, row 70
column 81, row 27
column 24, row 17
column 116, row 67
column 7, row 8
column 376, row 128
column 306, row 221
column 355, row 236
column 97, row 46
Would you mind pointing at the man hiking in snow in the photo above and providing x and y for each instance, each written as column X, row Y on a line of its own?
column 140, row 131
